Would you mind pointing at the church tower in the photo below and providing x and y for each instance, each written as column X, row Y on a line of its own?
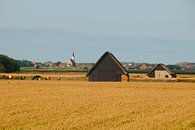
column 71, row 62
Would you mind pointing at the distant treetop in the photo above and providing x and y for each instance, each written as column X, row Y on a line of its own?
column 8, row 65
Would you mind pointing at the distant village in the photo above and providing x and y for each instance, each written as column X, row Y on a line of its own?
column 71, row 63
column 107, row 68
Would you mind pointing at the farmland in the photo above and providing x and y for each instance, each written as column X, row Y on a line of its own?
column 81, row 76
column 85, row 105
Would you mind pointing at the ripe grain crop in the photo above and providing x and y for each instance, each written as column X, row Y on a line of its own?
column 91, row 105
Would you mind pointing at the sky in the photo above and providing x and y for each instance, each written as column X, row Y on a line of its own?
column 153, row 31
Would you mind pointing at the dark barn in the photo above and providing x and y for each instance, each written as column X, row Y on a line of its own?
column 162, row 72
column 108, row 68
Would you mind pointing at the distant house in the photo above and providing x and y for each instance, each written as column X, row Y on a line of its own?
column 162, row 72
column 143, row 66
column 48, row 64
column 62, row 65
column 108, row 68
column 36, row 66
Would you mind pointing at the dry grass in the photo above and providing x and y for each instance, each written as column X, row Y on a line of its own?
column 80, row 76
column 53, row 76
column 63, row 75
column 145, row 78
column 83, row 105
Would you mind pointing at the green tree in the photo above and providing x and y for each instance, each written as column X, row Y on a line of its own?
column 174, row 67
column 8, row 64
column 25, row 63
column 2, row 68
column 57, row 63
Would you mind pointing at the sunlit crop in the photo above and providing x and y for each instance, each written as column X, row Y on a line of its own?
column 83, row 105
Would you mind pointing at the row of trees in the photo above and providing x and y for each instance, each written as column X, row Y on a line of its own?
column 25, row 63
column 8, row 64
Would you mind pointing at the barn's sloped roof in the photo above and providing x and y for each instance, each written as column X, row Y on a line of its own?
column 163, row 66
column 113, row 58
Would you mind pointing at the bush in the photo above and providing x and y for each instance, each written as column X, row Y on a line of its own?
column 8, row 64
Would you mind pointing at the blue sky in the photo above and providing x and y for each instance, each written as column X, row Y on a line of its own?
column 134, row 30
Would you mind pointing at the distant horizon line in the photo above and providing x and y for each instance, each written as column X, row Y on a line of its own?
column 120, row 61
column 80, row 62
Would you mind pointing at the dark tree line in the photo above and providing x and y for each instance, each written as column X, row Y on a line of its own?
column 25, row 63
column 8, row 65
column 174, row 67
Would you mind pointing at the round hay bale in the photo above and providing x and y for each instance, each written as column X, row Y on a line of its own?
column 10, row 77
column 47, row 78
column 22, row 77
column 37, row 77
column 4, row 77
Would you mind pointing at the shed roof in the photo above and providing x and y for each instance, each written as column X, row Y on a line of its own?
column 107, row 53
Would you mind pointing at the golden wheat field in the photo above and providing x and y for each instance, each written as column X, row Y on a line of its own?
column 85, row 105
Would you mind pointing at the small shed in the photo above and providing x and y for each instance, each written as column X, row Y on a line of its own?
column 108, row 68
column 162, row 72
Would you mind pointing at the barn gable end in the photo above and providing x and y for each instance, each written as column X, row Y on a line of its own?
column 107, row 68
column 161, row 71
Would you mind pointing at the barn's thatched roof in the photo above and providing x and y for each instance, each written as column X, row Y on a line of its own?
column 163, row 66
column 113, row 58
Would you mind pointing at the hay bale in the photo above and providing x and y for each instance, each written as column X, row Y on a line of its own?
column 37, row 77
column 47, row 78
